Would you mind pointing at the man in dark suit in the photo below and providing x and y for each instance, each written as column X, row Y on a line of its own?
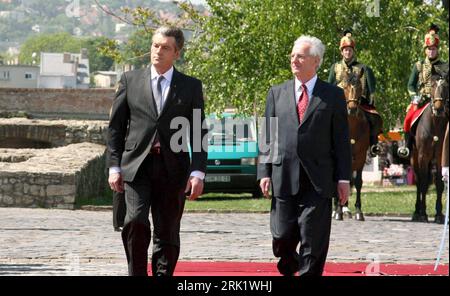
column 151, row 165
column 119, row 210
column 311, row 154
column 118, row 203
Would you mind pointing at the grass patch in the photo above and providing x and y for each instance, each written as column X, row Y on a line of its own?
column 394, row 202
column 102, row 200
column 381, row 201
column 389, row 201
column 222, row 202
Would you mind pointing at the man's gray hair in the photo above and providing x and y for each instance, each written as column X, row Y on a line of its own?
column 174, row 32
column 317, row 47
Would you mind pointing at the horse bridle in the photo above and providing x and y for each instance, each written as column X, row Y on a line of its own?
column 438, row 99
column 352, row 80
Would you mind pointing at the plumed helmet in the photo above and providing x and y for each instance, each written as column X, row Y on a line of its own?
column 432, row 37
column 347, row 40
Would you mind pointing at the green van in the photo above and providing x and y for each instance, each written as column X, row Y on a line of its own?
column 232, row 155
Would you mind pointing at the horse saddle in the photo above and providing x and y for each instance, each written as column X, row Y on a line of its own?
column 415, row 115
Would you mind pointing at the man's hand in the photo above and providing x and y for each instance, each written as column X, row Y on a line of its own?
column 343, row 192
column 116, row 182
column 445, row 174
column 195, row 185
column 264, row 184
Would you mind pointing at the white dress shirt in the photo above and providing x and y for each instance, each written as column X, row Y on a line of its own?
column 309, row 87
column 165, row 88
column 165, row 83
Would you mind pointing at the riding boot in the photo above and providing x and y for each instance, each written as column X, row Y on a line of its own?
column 375, row 148
column 410, row 141
column 405, row 151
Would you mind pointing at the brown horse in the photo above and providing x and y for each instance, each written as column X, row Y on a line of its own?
column 427, row 148
column 359, row 137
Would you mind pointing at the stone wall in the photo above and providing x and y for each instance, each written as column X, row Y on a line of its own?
column 37, row 190
column 23, row 132
column 58, row 103
column 52, row 178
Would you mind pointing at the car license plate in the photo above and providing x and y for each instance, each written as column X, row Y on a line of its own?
column 212, row 179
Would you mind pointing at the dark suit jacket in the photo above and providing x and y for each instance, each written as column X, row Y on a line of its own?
column 135, row 108
column 320, row 144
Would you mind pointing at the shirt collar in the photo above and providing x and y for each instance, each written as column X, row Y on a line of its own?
column 167, row 76
column 309, row 84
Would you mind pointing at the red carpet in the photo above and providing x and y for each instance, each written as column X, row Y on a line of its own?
column 196, row 268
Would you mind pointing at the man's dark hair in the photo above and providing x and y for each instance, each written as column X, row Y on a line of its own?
column 172, row 32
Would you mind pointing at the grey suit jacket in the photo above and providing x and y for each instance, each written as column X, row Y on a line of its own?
column 134, row 120
column 320, row 144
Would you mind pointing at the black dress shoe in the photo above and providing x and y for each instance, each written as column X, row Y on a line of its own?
column 118, row 229
column 288, row 266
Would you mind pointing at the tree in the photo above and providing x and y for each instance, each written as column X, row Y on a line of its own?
column 241, row 47
column 64, row 42
column 135, row 51
column 58, row 42
column 97, row 61
column 138, row 47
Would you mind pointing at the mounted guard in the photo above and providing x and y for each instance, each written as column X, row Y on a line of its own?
column 420, row 86
column 349, row 66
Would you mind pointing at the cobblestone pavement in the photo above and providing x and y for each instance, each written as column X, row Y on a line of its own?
column 64, row 242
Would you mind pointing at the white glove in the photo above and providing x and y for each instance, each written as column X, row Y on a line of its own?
column 415, row 99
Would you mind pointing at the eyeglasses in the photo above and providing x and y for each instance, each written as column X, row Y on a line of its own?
column 298, row 56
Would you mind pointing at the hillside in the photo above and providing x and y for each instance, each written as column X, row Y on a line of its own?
column 21, row 19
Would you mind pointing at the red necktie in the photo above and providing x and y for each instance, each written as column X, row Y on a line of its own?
column 302, row 103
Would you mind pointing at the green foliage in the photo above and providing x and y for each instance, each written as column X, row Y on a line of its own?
column 111, row 50
column 64, row 42
column 59, row 42
column 135, row 51
column 241, row 48
column 97, row 61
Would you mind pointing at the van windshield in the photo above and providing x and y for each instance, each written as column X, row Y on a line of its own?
column 231, row 130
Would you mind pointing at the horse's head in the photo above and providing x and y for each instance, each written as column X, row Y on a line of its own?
column 353, row 91
column 440, row 103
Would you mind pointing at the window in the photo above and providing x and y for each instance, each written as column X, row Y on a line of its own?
column 28, row 75
column 4, row 75
column 231, row 129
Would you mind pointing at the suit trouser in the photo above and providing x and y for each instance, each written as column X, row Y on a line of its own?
column 152, row 189
column 306, row 219
column 119, row 209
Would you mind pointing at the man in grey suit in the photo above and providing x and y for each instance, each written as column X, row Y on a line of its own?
column 144, row 161
column 312, row 154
